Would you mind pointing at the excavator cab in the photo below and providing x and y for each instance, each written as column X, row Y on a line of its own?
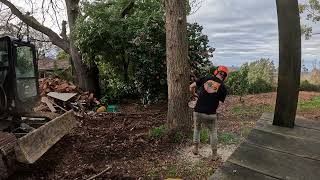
column 23, row 138
column 18, row 75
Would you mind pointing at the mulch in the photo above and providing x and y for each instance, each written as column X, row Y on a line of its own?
column 118, row 140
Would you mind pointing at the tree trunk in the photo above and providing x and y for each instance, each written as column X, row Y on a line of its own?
column 289, row 63
column 87, row 76
column 178, row 70
column 125, row 60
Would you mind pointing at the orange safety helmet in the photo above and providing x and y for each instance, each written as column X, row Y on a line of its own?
column 222, row 69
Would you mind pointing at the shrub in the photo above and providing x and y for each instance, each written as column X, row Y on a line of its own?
column 259, row 86
column 307, row 86
column 238, row 82
column 158, row 132
column 113, row 87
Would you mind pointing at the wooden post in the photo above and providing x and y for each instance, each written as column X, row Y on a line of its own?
column 289, row 62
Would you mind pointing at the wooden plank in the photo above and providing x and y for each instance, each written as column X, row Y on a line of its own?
column 32, row 146
column 297, row 131
column 61, row 96
column 275, row 163
column 300, row 121
column 297, row 146
column 49, row 104
column 230, row 171
column 289, row 62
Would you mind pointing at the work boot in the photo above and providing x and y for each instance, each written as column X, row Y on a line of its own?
column 195, row 149
column 214, row 155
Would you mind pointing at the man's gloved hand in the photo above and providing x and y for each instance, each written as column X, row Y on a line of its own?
column 195, row 96
column 193, row 101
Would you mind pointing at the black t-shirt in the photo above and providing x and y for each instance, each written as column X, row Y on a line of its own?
column 211, row 91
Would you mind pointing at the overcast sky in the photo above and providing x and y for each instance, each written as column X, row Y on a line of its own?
column 246, row 30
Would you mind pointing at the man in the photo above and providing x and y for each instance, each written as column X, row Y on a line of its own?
column 211, row 91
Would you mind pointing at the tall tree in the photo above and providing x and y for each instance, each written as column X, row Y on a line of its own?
column 87, row 76
column 178, row 69
column 289, row 63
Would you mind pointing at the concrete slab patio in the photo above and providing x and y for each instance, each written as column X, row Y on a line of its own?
column 272, row 152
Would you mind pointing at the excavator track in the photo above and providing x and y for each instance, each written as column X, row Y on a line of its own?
column 7, row 160
column 7, row 143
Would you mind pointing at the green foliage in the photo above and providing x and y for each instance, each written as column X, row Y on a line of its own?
column 262, row 69
column 199, row 50
column 62, row 55
column 204, row 135
column 260, row 86
column 255, row 77
column 312, row 10
column 134, row 46
column 113, row 87
column 172, row 171
column 158, row 132
column 238, row 81
column 178, row 137
column 309, row 105
column 227, row 138
column 62, row 74
column 153, row 173
column 307, row 86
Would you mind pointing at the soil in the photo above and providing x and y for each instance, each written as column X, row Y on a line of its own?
column 120, row 141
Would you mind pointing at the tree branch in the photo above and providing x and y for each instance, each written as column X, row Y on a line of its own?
column 127, row 9
column 64, row 30
column 32, row 22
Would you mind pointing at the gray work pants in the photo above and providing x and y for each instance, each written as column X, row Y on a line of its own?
column 208, row 121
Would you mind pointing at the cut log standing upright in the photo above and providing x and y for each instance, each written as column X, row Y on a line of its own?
column 289, row 62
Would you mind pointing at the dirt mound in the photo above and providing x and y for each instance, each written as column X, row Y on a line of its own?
column 119, row 140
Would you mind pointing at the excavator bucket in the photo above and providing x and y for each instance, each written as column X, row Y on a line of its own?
column 33, row 145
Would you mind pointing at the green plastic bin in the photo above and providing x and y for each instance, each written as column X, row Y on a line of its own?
column 112, row 108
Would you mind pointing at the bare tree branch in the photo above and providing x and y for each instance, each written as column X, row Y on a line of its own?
column 195, row 5
column 55, row 14
column 32, row 22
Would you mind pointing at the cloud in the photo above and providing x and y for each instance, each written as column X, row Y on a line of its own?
column 244, row 31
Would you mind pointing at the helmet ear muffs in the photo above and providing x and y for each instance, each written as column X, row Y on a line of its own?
column 215, row 72
column 226, row 78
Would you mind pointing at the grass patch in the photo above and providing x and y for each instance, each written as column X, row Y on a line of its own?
column 227, row 138
column 178, row 137
column 204, row 135
column 172, row 171
column 251, row 110
column 153, row 173
column 245, row 131
column 314, row 103
column 158, row 132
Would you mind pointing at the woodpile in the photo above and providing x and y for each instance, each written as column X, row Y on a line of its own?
column 65, row 95
column 47, row 85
